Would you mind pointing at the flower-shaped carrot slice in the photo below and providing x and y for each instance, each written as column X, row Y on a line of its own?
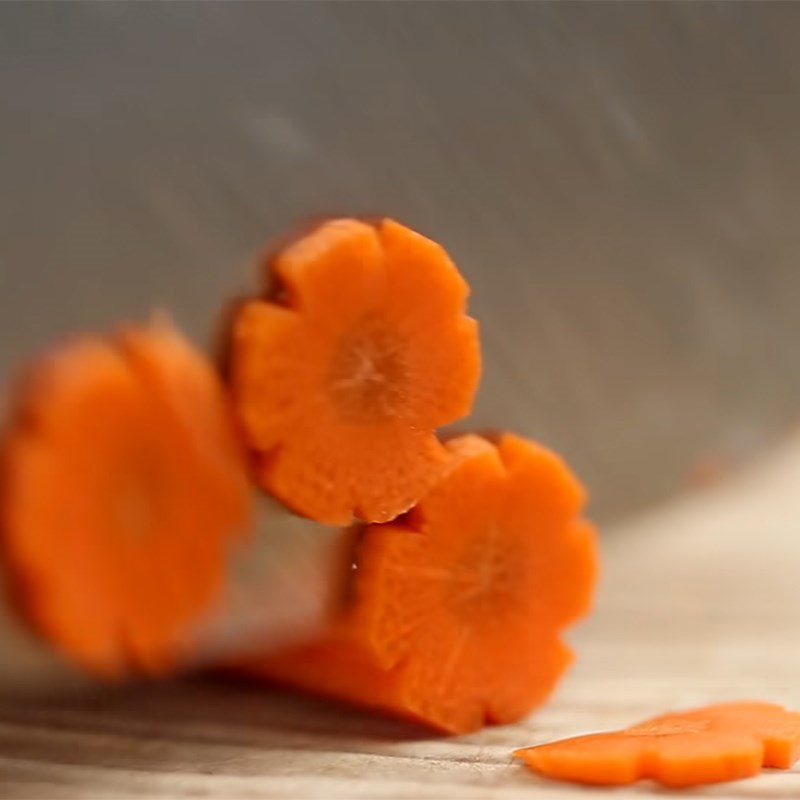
column 123, row 486
column 457, row 609
column 341, row 376
column 722, row 742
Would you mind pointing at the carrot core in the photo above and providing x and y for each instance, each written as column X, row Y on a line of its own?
column 368, row 378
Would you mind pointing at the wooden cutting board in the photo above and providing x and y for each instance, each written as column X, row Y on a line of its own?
column 698, row 603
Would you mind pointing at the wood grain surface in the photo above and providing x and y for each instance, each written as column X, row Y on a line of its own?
column 699, row 603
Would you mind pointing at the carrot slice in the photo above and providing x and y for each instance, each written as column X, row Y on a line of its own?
column 717, row 743
column 123, row 486
column 341, row 377
column 457, row 609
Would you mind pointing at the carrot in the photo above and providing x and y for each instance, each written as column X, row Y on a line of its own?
column 457, row 608
column 123, row 485
column 341, row 375
column 717, row 743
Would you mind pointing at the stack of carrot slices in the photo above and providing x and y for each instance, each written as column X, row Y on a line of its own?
column 340, row 377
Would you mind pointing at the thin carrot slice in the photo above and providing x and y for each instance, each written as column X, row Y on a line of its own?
column 458, row 608
column 717, row 743
column 341, row 377
column 123, row 486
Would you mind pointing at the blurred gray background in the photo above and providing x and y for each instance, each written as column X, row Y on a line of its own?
column 619, row 182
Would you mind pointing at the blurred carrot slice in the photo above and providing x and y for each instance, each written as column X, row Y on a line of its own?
column 717, row 743
column 123, row 486
column 342, row 375
column 458, row 608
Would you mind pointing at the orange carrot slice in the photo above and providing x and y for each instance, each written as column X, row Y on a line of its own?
column 717, row 743
column 341, row 377
column 123, row 486
column 457, row 608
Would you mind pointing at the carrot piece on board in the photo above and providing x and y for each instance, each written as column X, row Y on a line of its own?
column 717, row 743
column 341, row 377
column 123, row 485
column 457, row 609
